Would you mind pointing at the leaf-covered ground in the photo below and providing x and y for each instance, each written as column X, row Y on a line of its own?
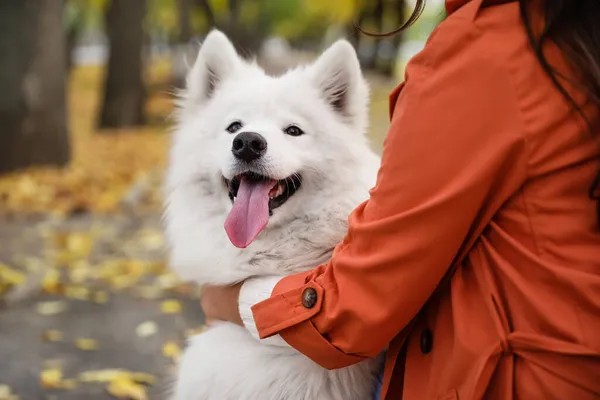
column 88, row 307
column 104, row 165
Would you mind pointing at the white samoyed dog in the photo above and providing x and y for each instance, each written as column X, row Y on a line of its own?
column 262, row 176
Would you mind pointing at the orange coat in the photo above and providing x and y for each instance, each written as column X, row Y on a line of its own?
column 485, row 172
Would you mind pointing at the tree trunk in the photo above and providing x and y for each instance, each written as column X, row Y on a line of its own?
column 124, row 93
column 185, row 29
column 371, row 62
column 354, row 35
column 183, row 51
column 71, row 36
column 208, row 12
column 400, row 13
column 32, row 81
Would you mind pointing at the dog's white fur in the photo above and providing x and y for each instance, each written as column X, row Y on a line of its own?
column 328, row 100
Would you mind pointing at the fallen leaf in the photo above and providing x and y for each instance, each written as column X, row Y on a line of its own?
column 108, row 375
column 146, row 329
column 149, row 292
column 7, row 394
column 167, row 280
column 80, row 272
column 52, row 307
column 152, row 239
column 86, row 344
column 52, row 282
column 52, row 336
column 102, row 375
column 100, row 297
column 71, row 247
column 51, row 378
column 77, row 292
column 171, row 350
column 143, row 377
column 170, row 307
column 10, row 276
column 126, row 388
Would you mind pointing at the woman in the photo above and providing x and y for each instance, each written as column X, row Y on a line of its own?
column 476, row 261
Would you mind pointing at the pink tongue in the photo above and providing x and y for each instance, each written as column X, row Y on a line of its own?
column 250, row 212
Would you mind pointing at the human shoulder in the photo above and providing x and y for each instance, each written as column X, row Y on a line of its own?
column 469, row 39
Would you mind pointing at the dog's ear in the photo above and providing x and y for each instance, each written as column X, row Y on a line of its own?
column 338, row 76
column 217, row 60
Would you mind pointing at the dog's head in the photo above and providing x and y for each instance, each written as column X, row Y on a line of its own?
column 263, row 147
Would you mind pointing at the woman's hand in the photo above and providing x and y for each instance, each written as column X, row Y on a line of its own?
column 220, row 303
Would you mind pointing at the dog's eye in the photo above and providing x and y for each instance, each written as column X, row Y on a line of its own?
column 293, row 130
column 234, row 127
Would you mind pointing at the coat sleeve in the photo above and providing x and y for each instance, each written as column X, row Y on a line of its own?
column 454, row 153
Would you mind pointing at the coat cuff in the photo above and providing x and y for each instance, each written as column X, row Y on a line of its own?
column 255, row 290
column 287, row 314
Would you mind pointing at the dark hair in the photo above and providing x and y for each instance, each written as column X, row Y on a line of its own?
column 573, row 26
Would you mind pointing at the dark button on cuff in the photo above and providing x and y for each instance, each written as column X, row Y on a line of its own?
column 426, row 341
column 309, row 297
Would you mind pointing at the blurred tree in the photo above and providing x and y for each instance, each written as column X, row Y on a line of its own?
column 378, row 16
column 124, row 93
column 208, row 12
column 32, row 78
column 185, row 27
column 247, row 23
column 397, row 16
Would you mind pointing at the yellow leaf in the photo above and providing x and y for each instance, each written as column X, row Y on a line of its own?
column 102, row 375
column 170, row 307
column 146, row 329
column 51, row 307
column 152, row 239
column 51, row 282
column 77, row 292
column 52, row 336
column 100, row 297
column 171, row 350
column 149, row 292
column 125, row 388
column 80, row 272
column 10, row 276
column 51, row 378
column 167, row 281
column 5, row 391
column 109, row 375
column 142, row 377
column 7, row 394
column 86, row 344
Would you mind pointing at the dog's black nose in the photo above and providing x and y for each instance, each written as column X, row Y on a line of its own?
column 248, row 146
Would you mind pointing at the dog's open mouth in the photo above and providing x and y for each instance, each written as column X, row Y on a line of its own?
column 279, row 193
column 254, row 198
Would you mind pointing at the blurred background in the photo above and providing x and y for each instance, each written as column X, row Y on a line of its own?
column 88, row 307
